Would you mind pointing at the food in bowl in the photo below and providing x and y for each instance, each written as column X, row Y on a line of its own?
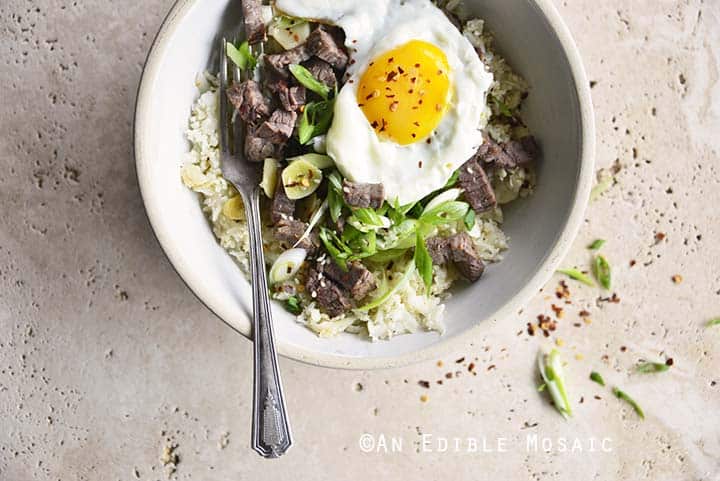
column 390, row 137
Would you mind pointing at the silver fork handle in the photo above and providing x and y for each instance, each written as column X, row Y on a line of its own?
column 271, row 436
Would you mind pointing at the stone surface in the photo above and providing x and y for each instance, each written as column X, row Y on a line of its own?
column 111, row 370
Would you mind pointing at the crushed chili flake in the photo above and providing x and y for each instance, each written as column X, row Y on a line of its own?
column 659, row 237
column 632, row 263
column 461, row 360
column 558, row 311
column 394, row 106
column 448, row 375
column 531, row 328
column 471, row 367
column 584, row 313
column 597, row 397
column 491, row 367
column 439, row 381
column 401, row 70
column 417, row 65
column 623, row 348
column 582, row 399
column 420, row 164
column 391, row 59
column 669, row 361
column 424, row 384
column 391, row 76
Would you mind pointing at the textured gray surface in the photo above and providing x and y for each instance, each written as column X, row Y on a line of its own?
column 106, row 358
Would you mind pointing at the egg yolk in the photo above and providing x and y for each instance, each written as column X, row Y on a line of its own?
column 405, row 92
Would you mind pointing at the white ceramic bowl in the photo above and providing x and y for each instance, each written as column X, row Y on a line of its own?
column 529, row 33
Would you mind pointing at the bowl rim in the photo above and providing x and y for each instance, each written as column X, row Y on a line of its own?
column 447, row 343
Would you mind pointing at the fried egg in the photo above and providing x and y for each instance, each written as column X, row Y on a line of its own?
column 414, row 102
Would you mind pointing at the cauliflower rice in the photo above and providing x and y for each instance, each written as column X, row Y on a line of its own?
column 409, row 309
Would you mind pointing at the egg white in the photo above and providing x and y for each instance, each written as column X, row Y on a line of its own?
column 373, row 27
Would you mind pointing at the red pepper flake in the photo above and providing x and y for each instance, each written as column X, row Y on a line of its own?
column 428, row 141
column 439, row 72
column 391, row 59
column 659, row 237
column 584, row 313
column 582, row 399
column 677, row 278
column 400, row 69
column 371, row 64
column 394, row 106
column 623, row 348
column 413, row 80
column 375, row 124
column 416, row 124
column 411, row 91
column 491, row 367
column 531, row 328
column 420, row 164
column 439, row 381
column 391, row 76
column 558, row 311
column 390, row 96
column 461, row 360
column 597, row 397
column 413, row 135
column 417, row 65
column 632, row 263
column 424, row 384
column 448, row 375
column 471, row 367
column 669, row 362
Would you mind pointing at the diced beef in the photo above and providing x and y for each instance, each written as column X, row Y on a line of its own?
column 281, row 206
column 476, row 185
column 258, row 148
column 465, row 256
column 279, row 127
column 523, row 151
column 289, row 233
column 439, row 250
column 357, row 280
column 291, row 98
column 490, row 152
column 252, row 17
column 509, row 155
column 322, row 44
column 322, row 71
column 248, row 99
column 280, row 61
column 332, row 298
column 363, row 195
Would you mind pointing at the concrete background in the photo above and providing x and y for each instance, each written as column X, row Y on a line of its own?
column 111, row 370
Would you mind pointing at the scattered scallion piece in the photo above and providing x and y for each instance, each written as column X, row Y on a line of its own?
column 550, row 367
column 596, row 377
column 316, row 120
column 597, row 244
column 241, row 56
column 601, row 270
column 423, row 262
column 293, row 306
column 382, row 299
column 502, row 108
column 453, row 180
column 651, row 367
column 625, row 397
column 308, row 80
column 714, row 322
column 470, row 219
column 445, row 213
column 601, row 187
column 578, row 276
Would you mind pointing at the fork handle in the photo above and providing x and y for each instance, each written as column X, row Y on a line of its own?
column 271, row 436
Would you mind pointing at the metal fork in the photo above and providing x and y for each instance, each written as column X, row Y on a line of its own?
column 271, row 436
